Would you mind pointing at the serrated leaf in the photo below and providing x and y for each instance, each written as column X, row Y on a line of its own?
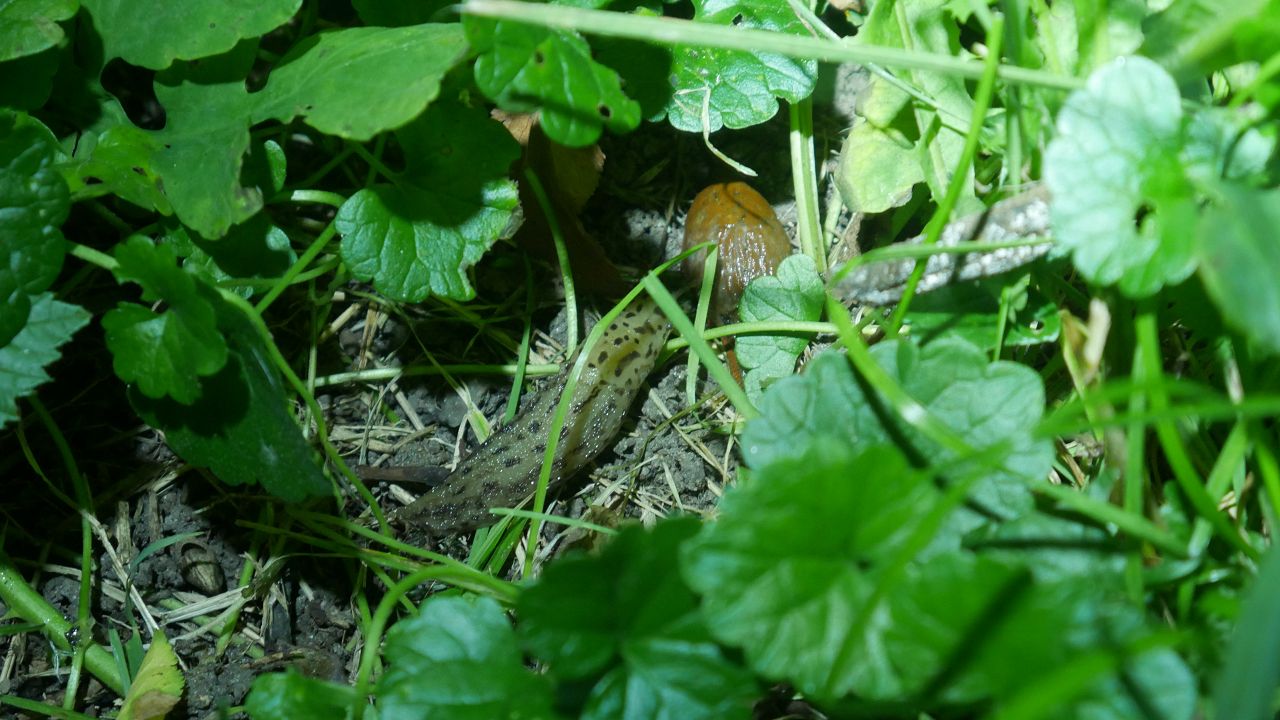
column 241, row 426
column 626, row 614
column 32, row 25
column 153, row 35
column 1121, row 202
column 667, row 679
column 158, row 686
column 289, row 695
column 526, row 68
column 122, row 162
column 994, row 407
column 716, row 88
column 1240, row 261
column 164, row 353
column 35, row 203
column 787, row 571
column 794, row 292
column 358, row 82
column 458, row 658
column 49, row 324
column 203, row 143
column 420, row 236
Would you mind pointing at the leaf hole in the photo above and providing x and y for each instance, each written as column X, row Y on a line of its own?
column 1144, row 211
column 92, row 181
column 737, row 19
column 538, row 57
column 604, row 111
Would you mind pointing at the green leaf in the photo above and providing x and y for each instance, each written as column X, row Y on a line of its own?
column 714, row 88
column 35, row 203
column 794, row 292
column 242, row 425
column 164, row 353
column 358, row 82
column 993, row 407
column 1197, row 37
column 879, row 164
column 26, row 82
column 157, row 688
column 153, row 35
column 1240, row 261
column 49, row 324
column 1121, row 201
column 419, row 237
column 458, row 658
column 525, row 68
column 971, row 311
column 1245, row 687
column 625, row 611
column 289, row 695
column 123, row 162
column 788, row 569
column 32, row 25
column 203, row 143
column 926, row 26
column 253, row 249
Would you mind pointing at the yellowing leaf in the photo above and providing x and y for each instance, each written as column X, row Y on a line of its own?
column 158, row 685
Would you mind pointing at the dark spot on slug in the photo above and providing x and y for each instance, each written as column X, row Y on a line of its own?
column 603, row 357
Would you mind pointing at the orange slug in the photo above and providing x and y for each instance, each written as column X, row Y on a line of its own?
column 751, row 241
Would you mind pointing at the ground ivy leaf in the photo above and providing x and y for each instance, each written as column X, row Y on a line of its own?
column 714, row 88
column 971, row 311
column 924, row 26
column 526, row 68
column 35, row 202
column 242, row 425
column 459, row 659
column 991, row 406
column 1114, row 159
column 1055, row 549
column 584, row 607
column 153, row 35
column 625, row 608
column 943, row 610
column 49, row 324
column 788, row 569
column 668, row 679
column 358, row 82
column 1240, row 261
column 204, row 141
column 32, row 25
column 164, row 353
column 794, row 292
column 122, row 163
column 290, row 694
column 419, row 236
column 878, row 161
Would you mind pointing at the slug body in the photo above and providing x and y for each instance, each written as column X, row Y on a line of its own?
column 751, row 241
column 504, row 470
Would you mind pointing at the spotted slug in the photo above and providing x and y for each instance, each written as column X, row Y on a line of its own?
column 504, row 470
column 751, row 241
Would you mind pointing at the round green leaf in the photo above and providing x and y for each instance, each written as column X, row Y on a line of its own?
column 32, row 25
column 154, row 34
column 35, row 202
column 358, row 82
